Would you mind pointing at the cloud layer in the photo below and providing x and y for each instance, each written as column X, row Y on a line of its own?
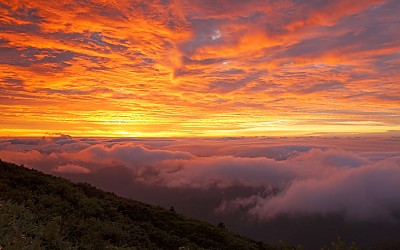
column 162, row 68
column 355, row 177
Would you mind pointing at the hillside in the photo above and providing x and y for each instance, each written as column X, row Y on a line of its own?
column 42, row 211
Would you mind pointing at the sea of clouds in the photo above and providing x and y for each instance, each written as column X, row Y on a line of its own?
column 255, row 180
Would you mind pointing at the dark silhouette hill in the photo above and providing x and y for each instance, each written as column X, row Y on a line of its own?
column 40, row 211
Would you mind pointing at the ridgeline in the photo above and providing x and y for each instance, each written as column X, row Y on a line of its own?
column 40, row 211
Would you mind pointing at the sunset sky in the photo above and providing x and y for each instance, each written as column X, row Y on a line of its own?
column 199, row 67
column 261, row 114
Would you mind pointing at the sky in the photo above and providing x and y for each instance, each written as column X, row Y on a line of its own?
column 304, row 190
column 276, row 117
column 199, row 68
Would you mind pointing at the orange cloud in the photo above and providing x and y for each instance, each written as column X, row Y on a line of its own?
column 197, row 68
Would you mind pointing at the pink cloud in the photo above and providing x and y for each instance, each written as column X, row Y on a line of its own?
column 367, row 193
column 71, row 168
column 222, row 171
column 128, row 154
column 286, row 176
column 20, row 157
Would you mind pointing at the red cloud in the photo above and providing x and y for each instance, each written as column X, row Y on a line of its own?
column 71, row 168
column 172, row 68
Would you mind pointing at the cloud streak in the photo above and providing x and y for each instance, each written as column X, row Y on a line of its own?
column 198, row 67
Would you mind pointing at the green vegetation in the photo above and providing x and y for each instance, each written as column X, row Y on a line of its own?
column 39, row 211
column 340, row 245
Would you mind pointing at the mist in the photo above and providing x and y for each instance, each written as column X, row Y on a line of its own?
column 267, row 188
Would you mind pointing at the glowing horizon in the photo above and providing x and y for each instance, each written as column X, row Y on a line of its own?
column 199, row 68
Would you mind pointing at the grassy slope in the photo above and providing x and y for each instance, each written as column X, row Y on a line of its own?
column 42, row 211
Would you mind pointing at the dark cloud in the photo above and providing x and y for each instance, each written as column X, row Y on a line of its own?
column 23, row 18
column 25, row 57
column 321, row 87
column 66, row 91
column 233, row 85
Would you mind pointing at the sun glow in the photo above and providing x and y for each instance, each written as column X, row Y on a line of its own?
column 107, row 68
